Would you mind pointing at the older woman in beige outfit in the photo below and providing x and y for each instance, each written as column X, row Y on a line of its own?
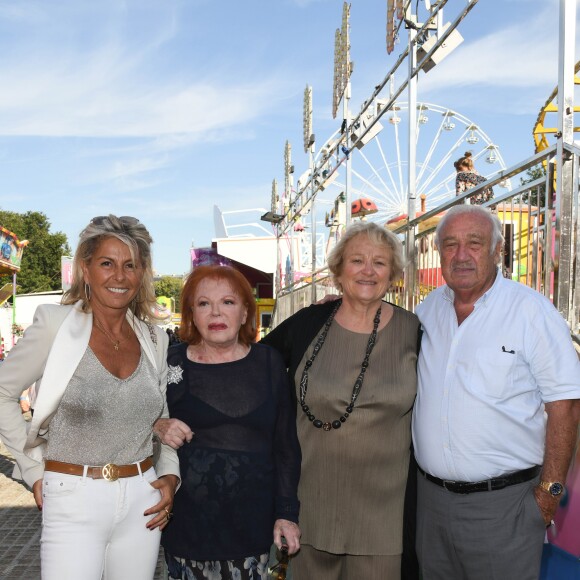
column 353, row 365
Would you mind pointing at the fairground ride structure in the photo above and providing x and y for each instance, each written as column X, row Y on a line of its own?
column 539, row 210
column 546, row 125
column 370, row 161
column 345, row 170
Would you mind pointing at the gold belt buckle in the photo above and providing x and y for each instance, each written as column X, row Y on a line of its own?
column 110, row 472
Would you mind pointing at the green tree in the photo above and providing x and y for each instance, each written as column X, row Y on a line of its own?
column 538, row 194
column 169, row 286
column 40, row 268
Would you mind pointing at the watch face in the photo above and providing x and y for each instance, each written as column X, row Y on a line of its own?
column 556, row 488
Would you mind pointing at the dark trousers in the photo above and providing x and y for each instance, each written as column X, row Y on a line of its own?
column 489, row 535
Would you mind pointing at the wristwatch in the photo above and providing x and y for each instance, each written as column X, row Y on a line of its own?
column 554, row 488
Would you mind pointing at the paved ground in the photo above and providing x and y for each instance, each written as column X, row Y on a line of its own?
column 19, row 526
column 20, row 523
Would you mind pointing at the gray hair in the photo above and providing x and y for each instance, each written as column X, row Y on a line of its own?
column 376, row 234
column 132, row 233
column 476, row 210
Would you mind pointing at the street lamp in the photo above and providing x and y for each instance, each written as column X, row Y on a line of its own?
column 273, row 218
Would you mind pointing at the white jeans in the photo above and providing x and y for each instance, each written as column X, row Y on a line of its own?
column 93, row 528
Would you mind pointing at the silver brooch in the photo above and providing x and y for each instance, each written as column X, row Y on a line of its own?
column 174, row 375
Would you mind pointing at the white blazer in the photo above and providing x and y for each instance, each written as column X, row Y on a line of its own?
column 48, row 354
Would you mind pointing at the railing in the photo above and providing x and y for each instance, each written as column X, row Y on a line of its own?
column 301, row 294
column 541, row 247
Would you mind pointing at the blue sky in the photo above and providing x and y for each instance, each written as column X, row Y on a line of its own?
column 162, row 108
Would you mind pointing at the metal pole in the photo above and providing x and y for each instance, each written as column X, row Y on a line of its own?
column 312, row 225
column 290, row 283
column 549, row 274
column 348, row 183
column 563, row 255
column 411, row 269
column 277, row 277
column 13, row 307
column 575, row 292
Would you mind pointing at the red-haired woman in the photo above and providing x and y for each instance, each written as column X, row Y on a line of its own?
column 240, row 469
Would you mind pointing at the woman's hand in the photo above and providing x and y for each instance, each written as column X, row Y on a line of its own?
column 166, row 484
column 291, row 533
column 172, row 432
column 37, row 492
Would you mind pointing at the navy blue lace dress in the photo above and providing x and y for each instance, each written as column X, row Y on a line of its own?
column 240, row 472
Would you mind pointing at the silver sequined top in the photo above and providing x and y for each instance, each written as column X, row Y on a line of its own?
column 103, row 419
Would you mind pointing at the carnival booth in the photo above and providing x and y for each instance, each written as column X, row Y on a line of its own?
column 11, row 249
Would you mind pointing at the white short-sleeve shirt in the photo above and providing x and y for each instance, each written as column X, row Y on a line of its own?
column 479, row 411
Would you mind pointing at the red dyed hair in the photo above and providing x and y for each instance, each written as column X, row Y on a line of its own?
column 187, row 331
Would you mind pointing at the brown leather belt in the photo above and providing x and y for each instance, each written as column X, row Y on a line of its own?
column 110, row 472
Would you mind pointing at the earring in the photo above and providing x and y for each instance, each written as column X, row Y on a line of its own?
column 88, row 292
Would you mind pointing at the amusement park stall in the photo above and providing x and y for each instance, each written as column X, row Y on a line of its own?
column 11, row 249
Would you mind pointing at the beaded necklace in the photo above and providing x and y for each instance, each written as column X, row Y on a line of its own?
column 327, row 426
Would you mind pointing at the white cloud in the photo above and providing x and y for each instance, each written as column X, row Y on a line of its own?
column 98, row 99
column 19, row 11
column 127, row 174
column 511, row 57
column 112, row 85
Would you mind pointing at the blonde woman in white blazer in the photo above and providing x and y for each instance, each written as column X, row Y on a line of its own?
column 100, row 371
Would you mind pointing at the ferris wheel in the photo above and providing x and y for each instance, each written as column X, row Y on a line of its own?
column 380, row 164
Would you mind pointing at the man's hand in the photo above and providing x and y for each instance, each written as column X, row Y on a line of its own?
column 547, row 504
column 561, row 437
column 172, row 432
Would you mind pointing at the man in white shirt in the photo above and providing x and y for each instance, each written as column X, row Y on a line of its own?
column 496, row 417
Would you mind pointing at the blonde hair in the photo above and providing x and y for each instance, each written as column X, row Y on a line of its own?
column 134, row 234
column 377, row 235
